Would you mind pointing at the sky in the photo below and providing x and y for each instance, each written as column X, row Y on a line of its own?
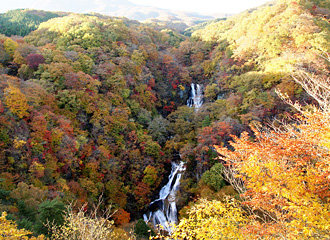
column 204, row 6
column 199, row 6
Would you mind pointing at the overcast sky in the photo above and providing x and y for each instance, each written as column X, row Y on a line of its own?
column 204, row 6
column 200, row 6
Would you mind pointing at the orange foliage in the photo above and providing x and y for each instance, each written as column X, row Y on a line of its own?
column 141, row 192
column 286, row 175
column 121, row 217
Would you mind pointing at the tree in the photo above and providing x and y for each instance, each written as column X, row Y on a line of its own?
column 4, row 56
column 115, row 193
column 80, row 225
column 151, row 177
column 158, row 129
column 216, row 134
column 16, row 101
column 317, row 86
column 213, row 177
column 10, row 46
column 33, row 60
column 23, row 21
column 51, row 212
column 211, row 91
column 209, row 220
column 30, row 195
column 142, row 193
column 121, row 217
column 9, row 230
column 285, row 176
column 142, row 230
column 144, row 117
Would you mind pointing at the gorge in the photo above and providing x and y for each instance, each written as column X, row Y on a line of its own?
column 163, row 211
column 152, row 122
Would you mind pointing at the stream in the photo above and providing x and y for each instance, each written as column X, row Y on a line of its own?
column 163, row 211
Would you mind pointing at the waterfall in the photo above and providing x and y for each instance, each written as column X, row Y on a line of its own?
column 163, row 210
column 196, row 96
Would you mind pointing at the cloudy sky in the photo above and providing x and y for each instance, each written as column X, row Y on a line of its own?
column 199, row 6
column 204, row 6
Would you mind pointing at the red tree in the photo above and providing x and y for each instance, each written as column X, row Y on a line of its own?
column 34, row 60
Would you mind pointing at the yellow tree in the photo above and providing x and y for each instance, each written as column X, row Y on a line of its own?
column 80, row 225
column 10, row 46
column 211, row 220
column 9, row 230
column 16, row 101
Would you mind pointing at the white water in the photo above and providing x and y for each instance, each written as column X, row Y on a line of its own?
column 166, row 214
column 163, row 210
column 196, row 96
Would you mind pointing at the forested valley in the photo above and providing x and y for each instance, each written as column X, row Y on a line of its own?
column 96, row 113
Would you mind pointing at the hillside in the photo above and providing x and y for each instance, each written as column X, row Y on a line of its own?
column 143, row 13
column 98, row 87
column 22, row 22
column 95, row 107
column 30, row 19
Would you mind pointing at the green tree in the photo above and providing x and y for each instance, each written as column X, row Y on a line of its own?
column 213, row 177
column 142, row 230
column 50, row 212
column 158, row 129
column 10, row 46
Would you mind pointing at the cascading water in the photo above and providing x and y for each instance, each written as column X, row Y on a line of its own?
column 163, row 210
column 196, row 96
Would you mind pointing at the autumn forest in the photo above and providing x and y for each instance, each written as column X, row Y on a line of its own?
column 108, row 125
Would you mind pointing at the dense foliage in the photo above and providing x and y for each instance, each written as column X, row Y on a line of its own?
column 282, row 176
column 23, row 21
column 88, row 108
column 95, row 107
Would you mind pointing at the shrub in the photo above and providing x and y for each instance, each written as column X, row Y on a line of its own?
column 213, row 177
column 142, row 230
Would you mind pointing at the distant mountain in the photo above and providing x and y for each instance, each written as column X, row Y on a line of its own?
column 220, row 18
column 124, row 8
column 174, row 19
column 23, row 21
column 120, row 8
column 143, row 13
column 157, row 17
column 188, row 31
